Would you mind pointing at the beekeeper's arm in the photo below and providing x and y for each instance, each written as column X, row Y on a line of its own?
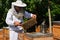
column 29, row 15
column 9, row 19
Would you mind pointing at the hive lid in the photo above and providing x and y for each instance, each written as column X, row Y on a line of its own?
column 39, row 34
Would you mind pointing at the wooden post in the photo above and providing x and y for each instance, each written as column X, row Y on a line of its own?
column 49, row 17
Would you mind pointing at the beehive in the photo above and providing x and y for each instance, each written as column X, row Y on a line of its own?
column 34, row 37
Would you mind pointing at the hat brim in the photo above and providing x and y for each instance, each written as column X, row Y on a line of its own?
column 19, row 5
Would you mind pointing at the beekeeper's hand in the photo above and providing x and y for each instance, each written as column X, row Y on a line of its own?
column 16, row 23
column 34, row 16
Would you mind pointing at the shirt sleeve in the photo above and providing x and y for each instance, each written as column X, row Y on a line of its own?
column 27, row 14
column 9, row 19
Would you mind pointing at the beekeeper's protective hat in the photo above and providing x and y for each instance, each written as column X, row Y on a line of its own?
column 19, row 3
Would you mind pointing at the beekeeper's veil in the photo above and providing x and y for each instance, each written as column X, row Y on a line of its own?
column 18, row 3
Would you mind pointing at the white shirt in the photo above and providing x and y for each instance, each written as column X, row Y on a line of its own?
column 10, row 18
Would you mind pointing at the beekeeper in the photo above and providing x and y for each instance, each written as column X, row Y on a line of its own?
column 14, row 18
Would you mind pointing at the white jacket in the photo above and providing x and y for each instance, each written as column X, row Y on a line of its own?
column 10, row 18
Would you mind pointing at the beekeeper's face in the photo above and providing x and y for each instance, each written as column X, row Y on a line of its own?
column 18, row 8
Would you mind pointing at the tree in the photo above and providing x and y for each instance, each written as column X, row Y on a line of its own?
column 4, row 6
column 38, row 7
column 55, row 8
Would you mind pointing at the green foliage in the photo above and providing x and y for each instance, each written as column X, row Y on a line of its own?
column 38, row 7
column 55, row 9
column 4, row 6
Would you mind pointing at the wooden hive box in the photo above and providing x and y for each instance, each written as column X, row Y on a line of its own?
column 1, row 34
column 6, row 33
column 56, row 29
